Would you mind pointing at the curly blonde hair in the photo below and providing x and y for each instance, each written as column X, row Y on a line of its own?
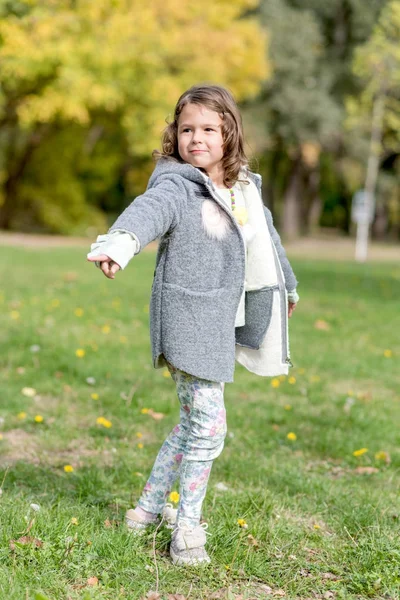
column 220, row 100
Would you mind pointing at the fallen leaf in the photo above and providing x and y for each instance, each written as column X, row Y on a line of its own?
column 157, row 416
column 176, row 597
column 252, row 541
column 153, row 596
column 280, row 593
column 366, row 470
column 322, row 325
column 305, row 573
column 107, row 524
column 330, row 576
column 26, row 540
column 93, row 581
column 328, row 595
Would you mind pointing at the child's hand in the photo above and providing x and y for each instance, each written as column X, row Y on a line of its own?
column 107, row 265
column 292, row 307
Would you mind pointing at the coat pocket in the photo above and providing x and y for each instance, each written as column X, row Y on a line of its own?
column 258, row 313
column 196, row 333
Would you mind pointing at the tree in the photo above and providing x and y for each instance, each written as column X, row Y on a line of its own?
column 377, row 109
column 110, row 69
column 311, row 45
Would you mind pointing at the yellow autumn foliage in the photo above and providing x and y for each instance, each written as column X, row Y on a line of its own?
column 65, row 61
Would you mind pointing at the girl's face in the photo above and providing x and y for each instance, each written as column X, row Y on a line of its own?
column 200, row 141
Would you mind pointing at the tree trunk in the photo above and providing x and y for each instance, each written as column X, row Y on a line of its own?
column 315, row 206
column 291, row 225
column 15, row 173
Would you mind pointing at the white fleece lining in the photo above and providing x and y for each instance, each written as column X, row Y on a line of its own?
column 267, row 360
column 260, row 267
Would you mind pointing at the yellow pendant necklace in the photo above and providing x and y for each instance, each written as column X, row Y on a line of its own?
column 239, row 212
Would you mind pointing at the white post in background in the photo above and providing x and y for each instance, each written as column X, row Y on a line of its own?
column 365, row 220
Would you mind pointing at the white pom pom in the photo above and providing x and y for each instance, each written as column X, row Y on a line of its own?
column 216, row 222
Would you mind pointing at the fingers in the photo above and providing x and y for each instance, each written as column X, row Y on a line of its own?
column 99, row 258
column 109, row 268
column 107, row 265
column 292, row 307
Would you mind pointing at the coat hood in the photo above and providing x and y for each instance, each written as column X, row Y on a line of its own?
column 171, row 166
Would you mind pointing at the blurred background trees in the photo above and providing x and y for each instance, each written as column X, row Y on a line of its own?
column 85, row 88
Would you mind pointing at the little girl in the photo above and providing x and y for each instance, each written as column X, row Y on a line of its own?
column 223, row 290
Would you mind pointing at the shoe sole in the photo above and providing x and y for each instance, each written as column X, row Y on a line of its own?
column 180, row 561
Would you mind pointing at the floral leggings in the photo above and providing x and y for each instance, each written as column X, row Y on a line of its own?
column 189, row 450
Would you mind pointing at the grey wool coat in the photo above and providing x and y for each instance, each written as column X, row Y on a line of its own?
column 198, row 280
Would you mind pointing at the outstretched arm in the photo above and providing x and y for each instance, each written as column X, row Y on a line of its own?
column 148, row 217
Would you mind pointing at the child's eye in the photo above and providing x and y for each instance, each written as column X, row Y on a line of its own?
column 209, row 129
column 185, row 130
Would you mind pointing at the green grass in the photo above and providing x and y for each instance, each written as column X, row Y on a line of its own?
column 321, row 526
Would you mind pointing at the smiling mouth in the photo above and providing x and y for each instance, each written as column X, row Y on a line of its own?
column 197, row 151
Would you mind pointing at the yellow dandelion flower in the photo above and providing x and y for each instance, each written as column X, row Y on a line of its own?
column 174, row 497
column 139, row 435
column 80, row 353
column 382, row 455
column 39, row 419
column 21, row 415
column 14, row 314
column 1, row 436
column 78, row 312
column 316, row 526
column 140, row 445
column 55, row 303
column 94, row 396
column 166, row 373
column 291, row 436
column 388, row 354
column 144, row 411
column 103, row 421
column 68, row 468
column 275, row 382
column 360, row 452
column 292, row 380
column 123, row 339
column 106, row 329
column 287, row 407
column 242, row 523
column 74, row 521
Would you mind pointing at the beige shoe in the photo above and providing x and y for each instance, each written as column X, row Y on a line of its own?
column 187, row 545
column 135, row 523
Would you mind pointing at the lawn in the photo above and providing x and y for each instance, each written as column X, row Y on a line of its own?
column 310, row 467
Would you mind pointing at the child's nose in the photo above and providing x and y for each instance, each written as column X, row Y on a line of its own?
column 197, row 137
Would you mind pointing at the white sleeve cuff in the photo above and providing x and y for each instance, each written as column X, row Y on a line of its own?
column 293, row 297
column 119, row 245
